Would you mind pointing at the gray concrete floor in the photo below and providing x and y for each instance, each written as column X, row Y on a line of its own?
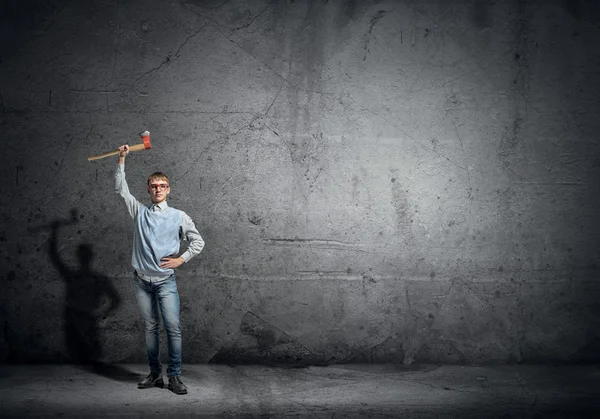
column 340, row 391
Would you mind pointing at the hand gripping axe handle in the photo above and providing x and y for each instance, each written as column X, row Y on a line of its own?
column 137, row 147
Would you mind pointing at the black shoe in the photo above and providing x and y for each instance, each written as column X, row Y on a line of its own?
column 176, row 385
column 154, row 379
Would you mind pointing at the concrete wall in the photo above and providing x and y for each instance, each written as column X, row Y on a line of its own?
column 406, row 181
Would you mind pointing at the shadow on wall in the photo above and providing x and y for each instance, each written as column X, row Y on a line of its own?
column 90, row 298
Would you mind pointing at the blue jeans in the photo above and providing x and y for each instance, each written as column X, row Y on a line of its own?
column 163, row 295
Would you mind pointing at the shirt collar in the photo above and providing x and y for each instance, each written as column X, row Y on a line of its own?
column 162, row 206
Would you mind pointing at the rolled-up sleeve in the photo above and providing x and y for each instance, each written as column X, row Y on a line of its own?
column 191, row 234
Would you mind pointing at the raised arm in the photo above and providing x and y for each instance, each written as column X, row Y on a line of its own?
column 121, row 186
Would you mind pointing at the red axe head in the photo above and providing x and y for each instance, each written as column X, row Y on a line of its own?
column 146, row 139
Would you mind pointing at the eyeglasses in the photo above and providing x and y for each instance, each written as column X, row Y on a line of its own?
column 160, row 186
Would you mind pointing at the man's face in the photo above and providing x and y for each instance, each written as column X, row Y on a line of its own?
column 158, row 190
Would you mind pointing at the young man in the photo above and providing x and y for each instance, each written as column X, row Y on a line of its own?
column 156, row 239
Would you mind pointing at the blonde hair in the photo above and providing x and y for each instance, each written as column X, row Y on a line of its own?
column 157, row 176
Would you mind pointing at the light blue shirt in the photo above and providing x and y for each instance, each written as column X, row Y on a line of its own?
column 158, row 232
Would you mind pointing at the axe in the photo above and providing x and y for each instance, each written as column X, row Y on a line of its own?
column 144, row 146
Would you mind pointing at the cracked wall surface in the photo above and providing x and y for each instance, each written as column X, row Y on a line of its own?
column 376, row 181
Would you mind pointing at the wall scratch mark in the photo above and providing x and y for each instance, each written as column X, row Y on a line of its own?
column 287, row 337
column 374, row 20
column 18, row 169
column 108, row 111
column 320, row 241
column 219, row 25
column 418, row 337
column 317, row 244
column 407, row 135
column 273, row 102
column 199, row 157
column 454, row 102
column 176, row 54
column 116, row 54
column 37, row 35
column 253, row 19
column 167, row 60
column 62, row 159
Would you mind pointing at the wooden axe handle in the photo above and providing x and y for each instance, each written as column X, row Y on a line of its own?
column 137, row 147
